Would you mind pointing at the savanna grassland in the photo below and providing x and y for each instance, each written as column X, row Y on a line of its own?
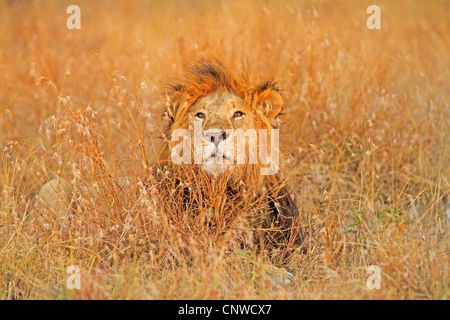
column 366, row 123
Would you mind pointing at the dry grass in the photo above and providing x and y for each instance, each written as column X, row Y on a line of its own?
column 367, row 122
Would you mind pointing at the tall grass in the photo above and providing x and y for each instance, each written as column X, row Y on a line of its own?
column 366, row 124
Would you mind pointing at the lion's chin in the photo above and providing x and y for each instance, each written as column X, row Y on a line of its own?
column 217, row 165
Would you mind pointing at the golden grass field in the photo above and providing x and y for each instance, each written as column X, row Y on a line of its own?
column 366, row 120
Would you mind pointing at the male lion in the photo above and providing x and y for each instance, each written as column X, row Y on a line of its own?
column 229, row 123
column 227, row 127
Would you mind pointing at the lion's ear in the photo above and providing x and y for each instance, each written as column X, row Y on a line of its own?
column 270, row 100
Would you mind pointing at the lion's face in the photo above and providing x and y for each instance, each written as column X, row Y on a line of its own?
column 223, row 116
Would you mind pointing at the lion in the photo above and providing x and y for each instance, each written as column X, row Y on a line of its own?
column 221, row 115
column 223, row 125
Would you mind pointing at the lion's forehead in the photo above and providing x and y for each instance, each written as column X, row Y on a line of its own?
column 220, row 103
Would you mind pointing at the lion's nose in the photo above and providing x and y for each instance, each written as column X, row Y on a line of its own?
column 216, row 136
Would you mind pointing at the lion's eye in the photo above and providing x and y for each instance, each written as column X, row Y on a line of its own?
column 200, row 115
column 238, row 114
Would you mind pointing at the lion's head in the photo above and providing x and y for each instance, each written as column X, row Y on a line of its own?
column 228, row 121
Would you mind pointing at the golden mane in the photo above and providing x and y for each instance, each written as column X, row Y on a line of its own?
column 210, row 75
